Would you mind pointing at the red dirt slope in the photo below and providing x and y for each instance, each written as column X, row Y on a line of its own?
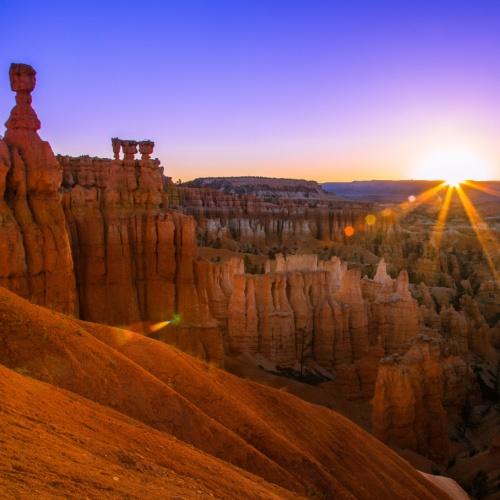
column 304, row 448
column 57, row 444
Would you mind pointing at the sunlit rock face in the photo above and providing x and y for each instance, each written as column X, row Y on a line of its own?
column 124, row 249
column 36, row 259
column 394, row 314
column 367, row 332
column 134, row 261
column 410, row 397
column 306, row 308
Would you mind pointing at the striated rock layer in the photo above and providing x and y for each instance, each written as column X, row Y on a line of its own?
column 303, row 308
column 134, row 261
column 251, row 221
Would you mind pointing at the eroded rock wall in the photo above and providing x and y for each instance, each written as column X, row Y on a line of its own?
column 134, row 261
column 249, row 221
column 411, row 394
column 305, row 308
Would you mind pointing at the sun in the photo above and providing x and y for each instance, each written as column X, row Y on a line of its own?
column 452, row 165
column 454, row 180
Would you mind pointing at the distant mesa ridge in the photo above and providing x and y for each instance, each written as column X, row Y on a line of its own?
column 387, row 191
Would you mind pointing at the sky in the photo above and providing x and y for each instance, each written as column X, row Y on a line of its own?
column 317, row 89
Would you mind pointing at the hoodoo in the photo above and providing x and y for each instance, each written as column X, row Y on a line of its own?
column 36, row 259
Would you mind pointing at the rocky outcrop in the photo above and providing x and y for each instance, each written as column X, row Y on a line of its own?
column 415, row 394
column 121, row 246
column 411, row 392
column 407, row 405
column 135, row 262
column 36, row 260
column 303, row 308
column 263, row 187
column 393, row 312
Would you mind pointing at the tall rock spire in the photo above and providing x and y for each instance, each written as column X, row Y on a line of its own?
column 34, row 242
column 23, row 122
column 381, row 275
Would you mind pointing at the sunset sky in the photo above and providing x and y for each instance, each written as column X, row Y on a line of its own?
column 325, row 90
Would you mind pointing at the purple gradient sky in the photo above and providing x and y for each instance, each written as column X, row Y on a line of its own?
column 315, row 89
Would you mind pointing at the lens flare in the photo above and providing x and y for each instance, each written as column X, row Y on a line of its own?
column 491, row 248
column 158, row 326
column 415, row 201
column 437, row 234
column 484, row 189
column 370, row 219
column 489, row 244
column 349, row 231
column 162, row 324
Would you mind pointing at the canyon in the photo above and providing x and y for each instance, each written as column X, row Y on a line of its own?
column 163, row 285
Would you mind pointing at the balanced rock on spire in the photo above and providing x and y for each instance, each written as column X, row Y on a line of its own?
column 35, row 254
column 23, row 121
